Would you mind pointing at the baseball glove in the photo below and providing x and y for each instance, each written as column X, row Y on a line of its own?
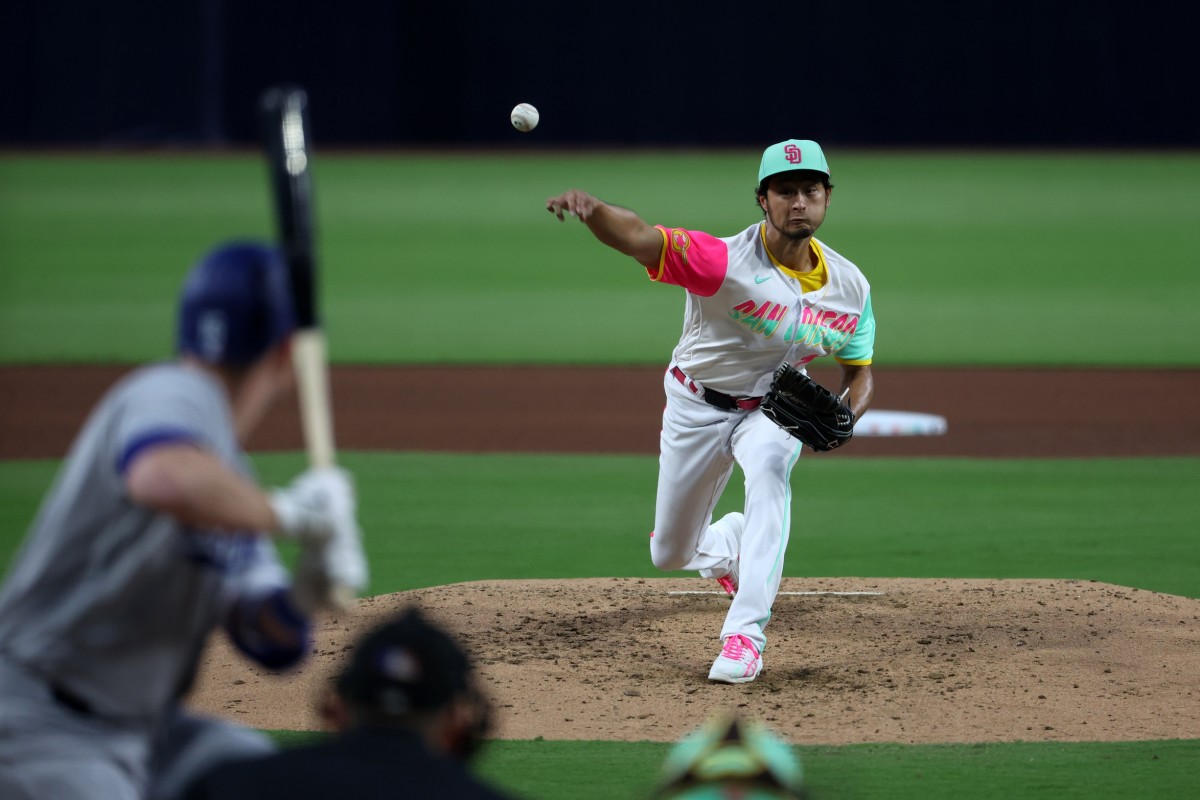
column 807, row 410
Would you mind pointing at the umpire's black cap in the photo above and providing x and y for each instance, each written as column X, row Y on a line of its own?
column 403, row 666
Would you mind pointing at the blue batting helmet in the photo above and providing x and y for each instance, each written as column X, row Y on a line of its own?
column 236, row 304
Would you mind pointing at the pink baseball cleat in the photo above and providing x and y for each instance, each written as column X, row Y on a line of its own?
column 730, row 582
column 739, row 661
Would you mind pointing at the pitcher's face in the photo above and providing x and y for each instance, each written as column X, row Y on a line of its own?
column 795, row 204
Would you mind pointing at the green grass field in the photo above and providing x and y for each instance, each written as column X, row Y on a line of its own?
column 433, row 519
column 1130, row 522
column 975, row 259
column 1030, row 771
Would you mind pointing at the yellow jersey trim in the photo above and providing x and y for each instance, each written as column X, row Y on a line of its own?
column 662, row 256
column 810, row 281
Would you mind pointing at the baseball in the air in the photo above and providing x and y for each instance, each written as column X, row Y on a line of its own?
column 524, row 117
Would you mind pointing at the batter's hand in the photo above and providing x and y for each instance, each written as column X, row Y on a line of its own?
column 313, row 505
column 326, row 576
column 319, row 511
column 311, row 590
column 345, row 561
column 576, row 202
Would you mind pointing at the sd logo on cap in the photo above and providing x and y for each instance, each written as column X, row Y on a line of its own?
column 792, row 155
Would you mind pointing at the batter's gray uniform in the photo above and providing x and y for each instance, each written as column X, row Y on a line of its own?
column 108, row 605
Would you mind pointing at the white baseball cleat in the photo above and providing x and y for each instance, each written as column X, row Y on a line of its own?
column 739, row 662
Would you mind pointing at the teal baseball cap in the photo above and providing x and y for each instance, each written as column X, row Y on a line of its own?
column 792, row 155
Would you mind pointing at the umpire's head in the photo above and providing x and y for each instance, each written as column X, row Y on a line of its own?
column 408, row 673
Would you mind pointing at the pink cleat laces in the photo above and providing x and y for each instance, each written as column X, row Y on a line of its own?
column 735, row 649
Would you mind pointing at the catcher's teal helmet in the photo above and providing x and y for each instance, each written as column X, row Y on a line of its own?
column 731, row 757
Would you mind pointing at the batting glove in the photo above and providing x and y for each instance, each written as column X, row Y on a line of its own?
column 330, row 575
column 311, row 507
column 318, row 510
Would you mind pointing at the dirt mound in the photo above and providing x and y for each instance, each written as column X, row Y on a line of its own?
column 922, row 661
column 912, row 661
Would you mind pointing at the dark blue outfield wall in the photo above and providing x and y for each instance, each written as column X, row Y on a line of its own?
column 1069, row 73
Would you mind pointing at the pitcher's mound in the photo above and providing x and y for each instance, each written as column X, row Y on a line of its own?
column 848, row 660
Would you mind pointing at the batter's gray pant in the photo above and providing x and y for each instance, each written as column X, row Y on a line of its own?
column 48, row 750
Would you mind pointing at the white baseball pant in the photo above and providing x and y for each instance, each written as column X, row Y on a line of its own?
column 699, row 446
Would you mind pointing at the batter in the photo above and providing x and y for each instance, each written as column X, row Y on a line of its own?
column 769, row 294
column 150, row 538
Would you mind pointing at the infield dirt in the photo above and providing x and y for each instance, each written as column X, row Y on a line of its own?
column 624, row 658
column 922, row 661
column 1003, row 413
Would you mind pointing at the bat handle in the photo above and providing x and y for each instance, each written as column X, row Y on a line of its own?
column 311, row 365
column 309, row 359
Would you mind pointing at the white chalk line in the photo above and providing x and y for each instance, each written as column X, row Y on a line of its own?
column 804, row 594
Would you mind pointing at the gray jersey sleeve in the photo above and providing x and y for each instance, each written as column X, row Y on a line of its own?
column 172, row 408
column 112, row 600
column 169, row 406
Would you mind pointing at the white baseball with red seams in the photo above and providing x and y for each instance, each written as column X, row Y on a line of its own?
column 524, row 117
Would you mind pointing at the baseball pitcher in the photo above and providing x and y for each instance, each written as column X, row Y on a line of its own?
column 761, row 305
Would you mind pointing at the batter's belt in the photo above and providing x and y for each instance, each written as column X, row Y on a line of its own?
column 714, row 398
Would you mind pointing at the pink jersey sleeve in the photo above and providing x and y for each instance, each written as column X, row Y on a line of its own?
column 694, row 260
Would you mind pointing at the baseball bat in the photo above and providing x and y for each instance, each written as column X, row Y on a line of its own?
column 286, row 139
column 289, row 156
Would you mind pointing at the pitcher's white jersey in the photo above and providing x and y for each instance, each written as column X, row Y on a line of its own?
column 746, row 314
column 742, row 302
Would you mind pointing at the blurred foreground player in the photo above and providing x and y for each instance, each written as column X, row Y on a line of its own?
column 155, row 533
column 407, row 715
column 731, row 758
